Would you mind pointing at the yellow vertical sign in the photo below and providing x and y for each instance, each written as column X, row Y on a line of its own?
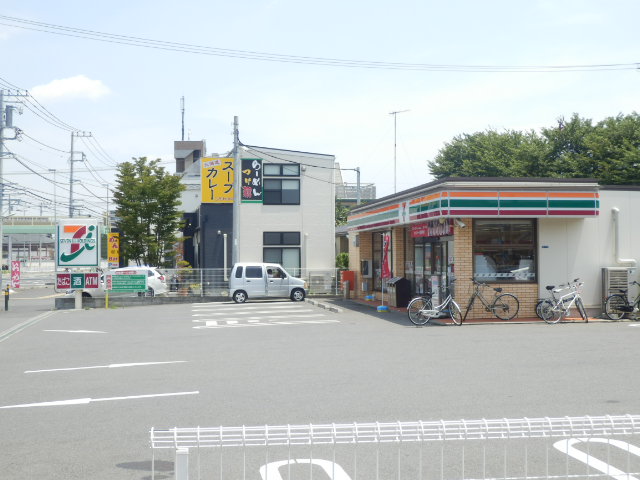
column 113, row 250
column 217, row 180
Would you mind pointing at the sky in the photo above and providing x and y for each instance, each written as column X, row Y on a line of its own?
column 128, row 96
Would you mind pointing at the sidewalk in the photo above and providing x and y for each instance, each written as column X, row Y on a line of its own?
column 25, row 306
column 397, row 311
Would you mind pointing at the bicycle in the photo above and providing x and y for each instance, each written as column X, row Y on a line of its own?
column 555, row 309
column 617, row 306
column 421, row 309
column 549, row 302
column 504, row 306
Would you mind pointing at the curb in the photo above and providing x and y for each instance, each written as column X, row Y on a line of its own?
column 325, row 306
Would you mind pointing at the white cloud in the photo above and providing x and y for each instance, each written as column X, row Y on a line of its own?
column 79, row 86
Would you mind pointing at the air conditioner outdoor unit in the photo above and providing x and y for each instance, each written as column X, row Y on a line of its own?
column 615, row 279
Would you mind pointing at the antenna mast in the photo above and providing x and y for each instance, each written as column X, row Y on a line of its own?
column 182, row 110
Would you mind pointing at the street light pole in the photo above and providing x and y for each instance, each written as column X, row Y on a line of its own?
column 395, row 137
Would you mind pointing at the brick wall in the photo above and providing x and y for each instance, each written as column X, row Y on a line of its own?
column 527, row 293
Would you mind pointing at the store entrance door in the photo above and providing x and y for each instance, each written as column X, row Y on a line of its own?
column 433, row 258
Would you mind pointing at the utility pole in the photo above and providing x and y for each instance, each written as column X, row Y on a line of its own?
column 55, row 200
column 108, row 216
column 235, row 248
column 395, row 143
column 6, row 121
column 71, row 161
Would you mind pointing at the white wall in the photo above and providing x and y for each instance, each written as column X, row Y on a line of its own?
column 314, row 218
column 570, row 248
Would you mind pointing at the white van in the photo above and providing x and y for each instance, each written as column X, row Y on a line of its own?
column 255, row 280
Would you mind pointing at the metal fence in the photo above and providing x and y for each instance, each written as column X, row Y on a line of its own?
column 215, row 281
column 525, row 448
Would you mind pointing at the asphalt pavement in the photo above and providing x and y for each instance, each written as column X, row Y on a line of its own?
column 81, row 389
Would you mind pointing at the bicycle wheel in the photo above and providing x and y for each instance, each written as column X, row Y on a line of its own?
column 539, row 307
column 616, row 307
column 506, row 306
column 582, row 310
column 549, row 313
column 415, row 308
column 455, row 313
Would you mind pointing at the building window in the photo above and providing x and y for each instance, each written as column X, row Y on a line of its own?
column 281, row 192
column 281, row 238
column 281, row 170
column 504, row 250
column 282, row 248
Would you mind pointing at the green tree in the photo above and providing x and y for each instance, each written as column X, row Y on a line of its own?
column 608, row 151
column 490, row 154
column 342, row 211
column 147, row 200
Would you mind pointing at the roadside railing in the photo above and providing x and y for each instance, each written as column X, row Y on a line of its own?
column 525, row 448
column 215, row 281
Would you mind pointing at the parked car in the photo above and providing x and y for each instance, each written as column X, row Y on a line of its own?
column 156, row 281
column 260, row 280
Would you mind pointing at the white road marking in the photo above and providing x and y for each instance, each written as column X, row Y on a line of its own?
column 74, row 331
column 214, row 324
column 567, row 447
column 18, row 328
column 84, row 401
column 113, row 365
column 254, row 306
column 635, row 325
column 209, row 314
column 332, row 469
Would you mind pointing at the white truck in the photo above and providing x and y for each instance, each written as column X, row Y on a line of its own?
column 264, row 280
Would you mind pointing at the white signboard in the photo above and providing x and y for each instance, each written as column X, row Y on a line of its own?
column 78, row 243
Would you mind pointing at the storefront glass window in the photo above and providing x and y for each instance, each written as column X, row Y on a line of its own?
column 504, row 250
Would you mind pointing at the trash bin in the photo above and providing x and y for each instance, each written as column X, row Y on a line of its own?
column 346, row 291
column 399, row 290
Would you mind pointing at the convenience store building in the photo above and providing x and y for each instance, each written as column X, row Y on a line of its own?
column 520, row 234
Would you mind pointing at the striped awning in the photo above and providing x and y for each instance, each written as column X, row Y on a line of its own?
column 480, row 203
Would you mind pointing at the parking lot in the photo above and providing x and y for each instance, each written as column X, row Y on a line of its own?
column 81, row 389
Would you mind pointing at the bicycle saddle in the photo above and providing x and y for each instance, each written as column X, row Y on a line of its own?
column 498, row 289
column 550, row 287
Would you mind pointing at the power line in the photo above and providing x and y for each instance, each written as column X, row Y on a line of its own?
column 296, row 59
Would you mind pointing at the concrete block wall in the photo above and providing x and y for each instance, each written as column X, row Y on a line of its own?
column 527, row 293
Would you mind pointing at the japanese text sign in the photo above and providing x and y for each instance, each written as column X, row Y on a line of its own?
column 217, row 179
column 113, row 251
column 251, row 180
column 15, row 274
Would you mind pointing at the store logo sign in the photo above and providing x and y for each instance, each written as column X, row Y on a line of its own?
column 77, row 245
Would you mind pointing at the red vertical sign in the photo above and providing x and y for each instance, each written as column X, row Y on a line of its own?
column 15, row 273
column 386, row 267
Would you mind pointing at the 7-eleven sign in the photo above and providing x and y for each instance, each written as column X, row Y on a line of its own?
column 78, row 243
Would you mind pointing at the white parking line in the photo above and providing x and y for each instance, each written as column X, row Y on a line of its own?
column 85, row 401
column 209, row 314
column 113, row 365
column 215, row 324
column 74, row 331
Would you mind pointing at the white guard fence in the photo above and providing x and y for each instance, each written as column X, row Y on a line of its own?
column 215, row 281
column 524, row 448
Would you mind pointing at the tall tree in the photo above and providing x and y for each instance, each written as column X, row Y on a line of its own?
column 147, row 200
column 608, row 151
column 490, row 154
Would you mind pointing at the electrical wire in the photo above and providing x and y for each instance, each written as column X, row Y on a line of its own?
column 42, row 143
column 295, row 59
